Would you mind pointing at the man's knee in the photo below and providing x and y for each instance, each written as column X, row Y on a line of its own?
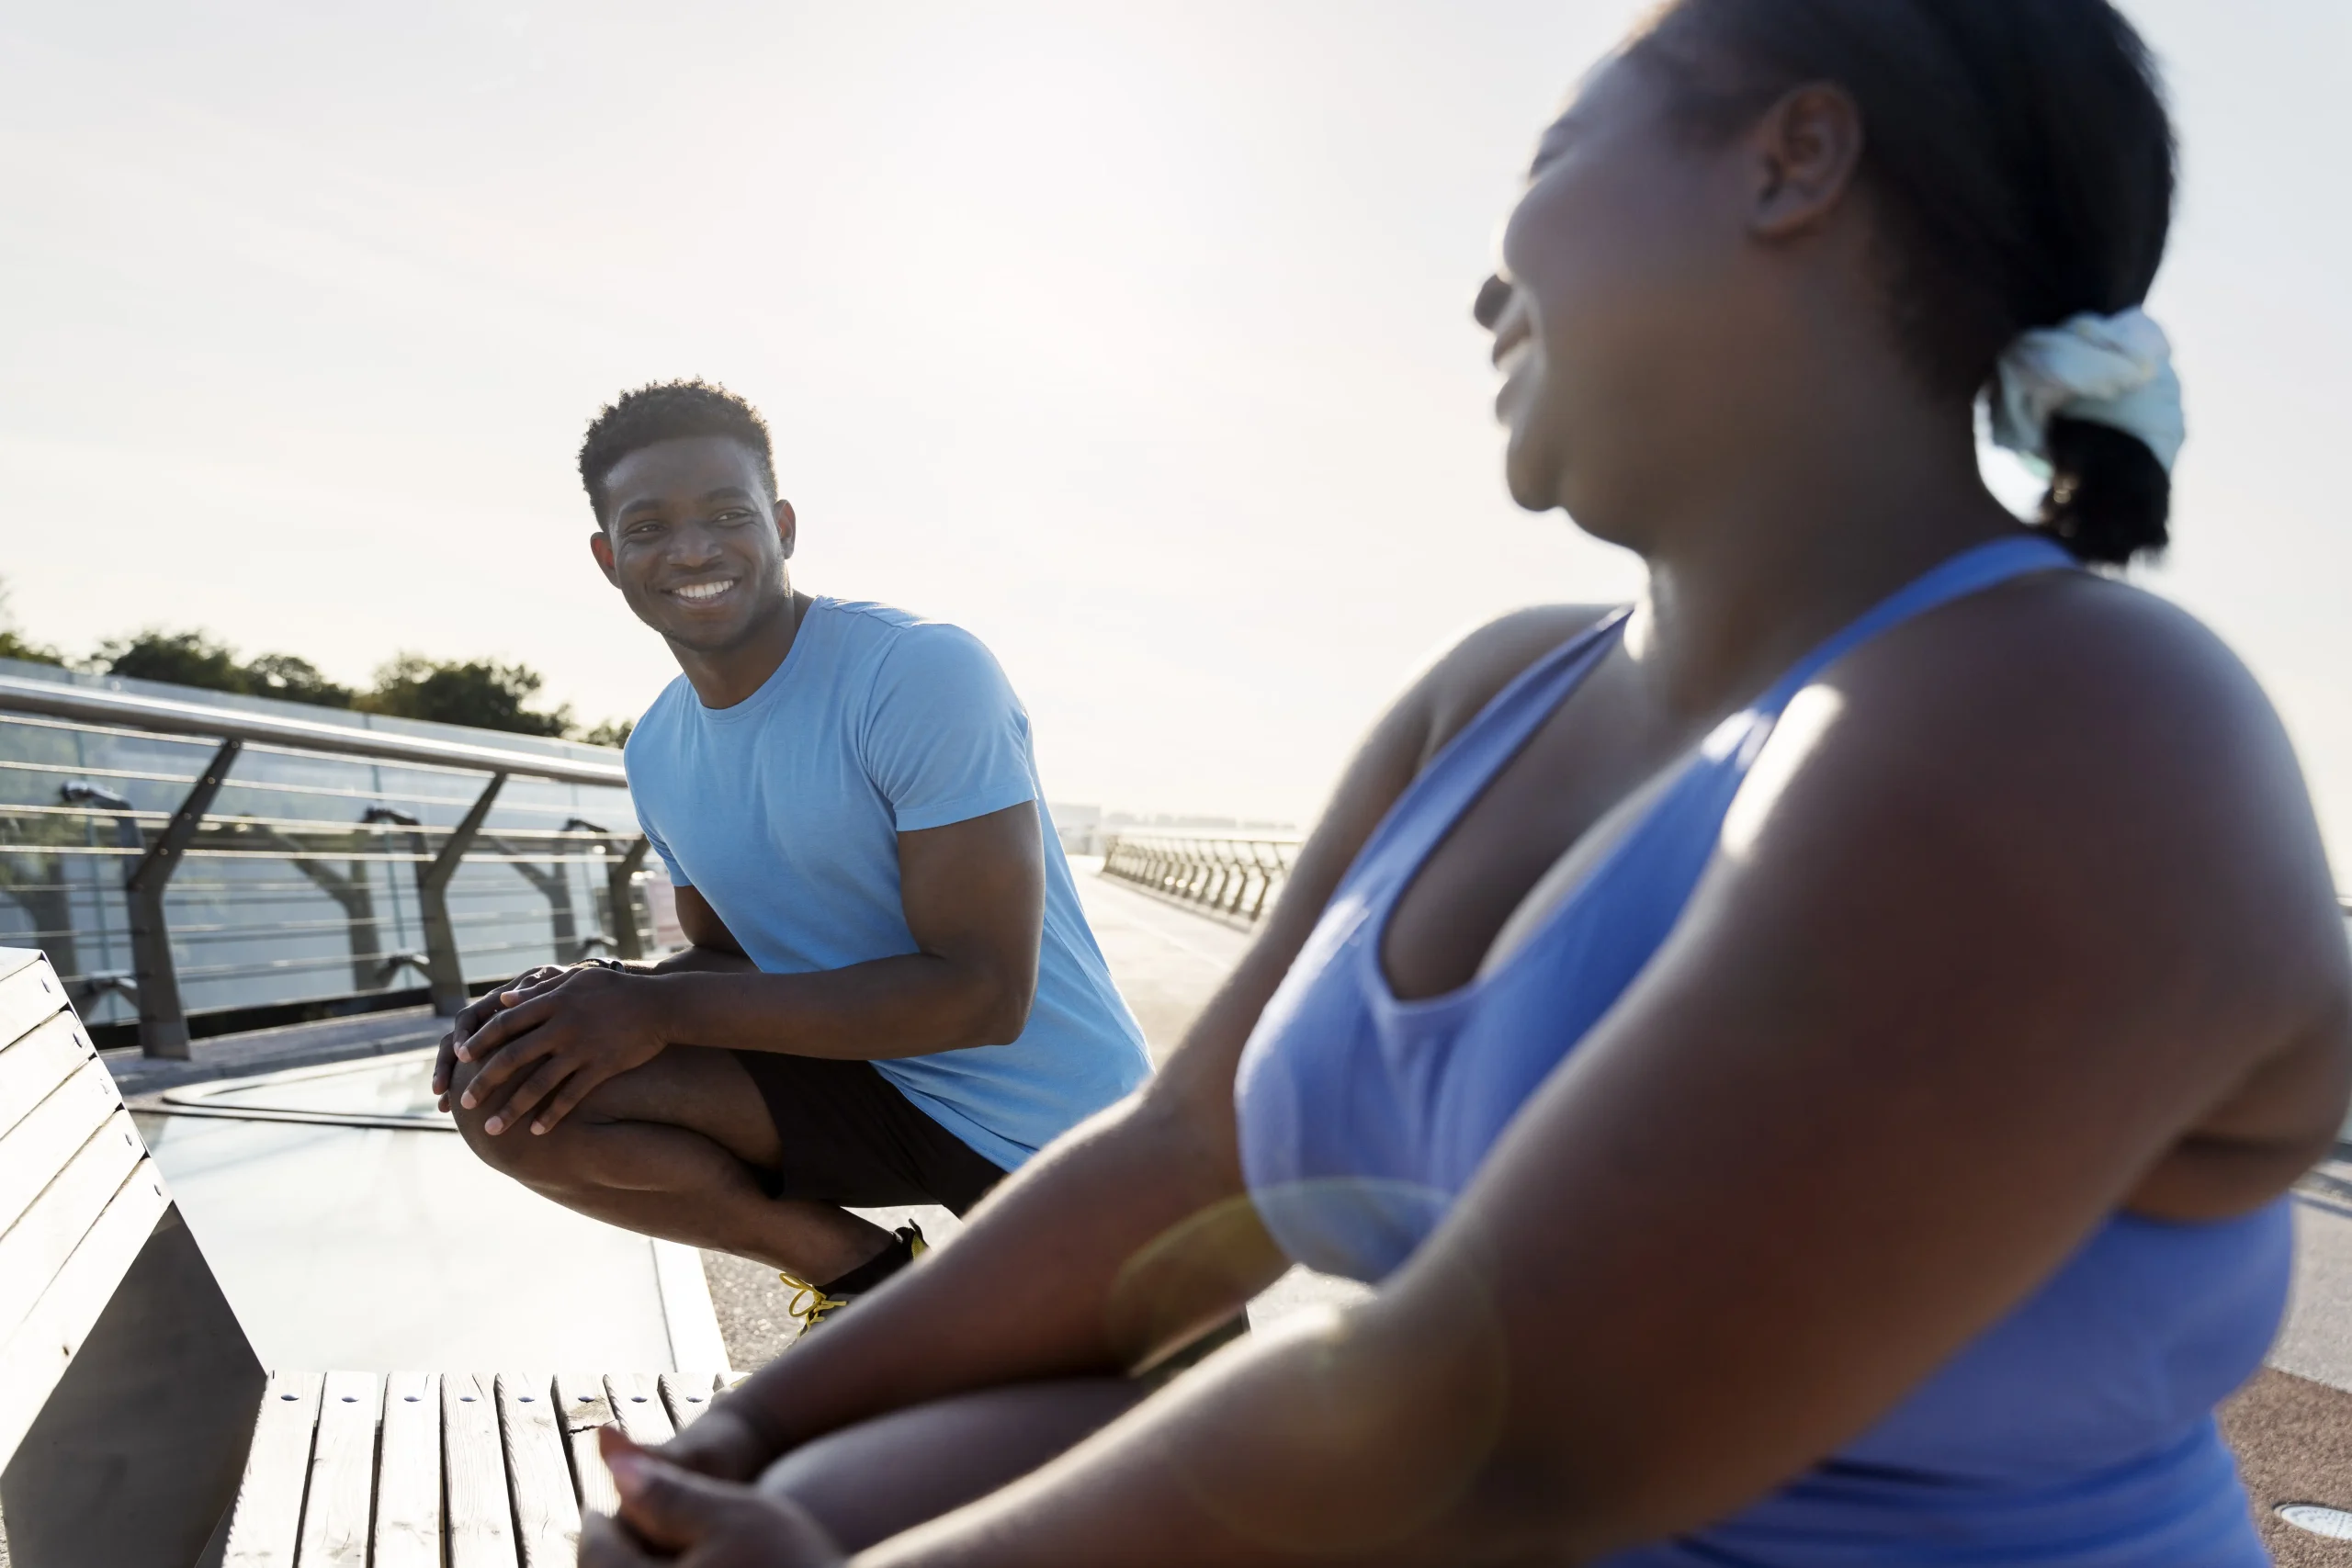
column 546, row 1160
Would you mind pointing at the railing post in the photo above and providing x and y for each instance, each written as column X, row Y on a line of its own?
column 444, row 975
column 620, row 876
column 555, row 886
column 1265, row 880
column 620, row 871
column 163, row 1026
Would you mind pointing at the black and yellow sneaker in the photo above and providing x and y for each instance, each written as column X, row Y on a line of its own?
column 810, row 1302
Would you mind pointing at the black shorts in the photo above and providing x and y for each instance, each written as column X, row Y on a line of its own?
column 852, row 1139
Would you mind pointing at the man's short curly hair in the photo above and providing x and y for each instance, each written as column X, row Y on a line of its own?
column 665, row 411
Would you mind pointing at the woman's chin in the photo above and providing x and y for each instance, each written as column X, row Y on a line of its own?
column 1531, row 474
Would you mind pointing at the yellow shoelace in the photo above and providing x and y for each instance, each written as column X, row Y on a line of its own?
column 809, row 1303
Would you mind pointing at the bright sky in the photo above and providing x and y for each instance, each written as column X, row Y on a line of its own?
column 1132, row 336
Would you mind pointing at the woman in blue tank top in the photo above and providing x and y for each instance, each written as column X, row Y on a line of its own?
column 1811, row 1062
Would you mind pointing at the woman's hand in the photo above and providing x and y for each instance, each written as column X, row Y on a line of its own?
column 671, row 1515
column 724, row 1445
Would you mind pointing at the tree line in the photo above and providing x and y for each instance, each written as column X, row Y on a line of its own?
column 478, row 692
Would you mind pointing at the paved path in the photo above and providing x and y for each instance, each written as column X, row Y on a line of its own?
column 1167, row 959
column 2292, row 1426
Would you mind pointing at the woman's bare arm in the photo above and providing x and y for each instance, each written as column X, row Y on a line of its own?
column 1130, row 1232
column 1988, row 939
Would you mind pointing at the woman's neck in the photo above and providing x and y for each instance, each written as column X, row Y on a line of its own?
column 1732, row 603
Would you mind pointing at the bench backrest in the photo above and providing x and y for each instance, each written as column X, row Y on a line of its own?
column 119, row 1356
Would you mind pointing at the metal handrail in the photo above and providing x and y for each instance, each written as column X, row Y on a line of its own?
column 161, row 844
column 56, row 699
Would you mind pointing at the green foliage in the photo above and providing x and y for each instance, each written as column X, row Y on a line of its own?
column 613, row 733
column 477, row 692
column 13, row 645
column 184, row 658
column 292, row 679
column 200, row 659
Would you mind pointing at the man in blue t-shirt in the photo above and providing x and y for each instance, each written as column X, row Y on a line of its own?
column 891, row 997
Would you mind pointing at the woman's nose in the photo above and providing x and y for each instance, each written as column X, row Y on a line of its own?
column 1488, row 308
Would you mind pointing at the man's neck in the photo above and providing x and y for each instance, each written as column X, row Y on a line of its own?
column 724, row 677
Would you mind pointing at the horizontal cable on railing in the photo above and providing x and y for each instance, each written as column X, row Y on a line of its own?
column 215, row 974
column 379, row 857
column 372, row 797
column 320, row 826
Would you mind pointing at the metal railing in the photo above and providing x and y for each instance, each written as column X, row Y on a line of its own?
column 334, row 857
column 1236, row 878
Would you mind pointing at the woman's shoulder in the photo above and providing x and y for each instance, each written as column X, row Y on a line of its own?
column 1469, row 670
column 2041, row 655
column 2117, row 733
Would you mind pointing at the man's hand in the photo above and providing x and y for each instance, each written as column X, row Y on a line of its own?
column 671, row 1515
column 480, row 1012
column 552, row 1045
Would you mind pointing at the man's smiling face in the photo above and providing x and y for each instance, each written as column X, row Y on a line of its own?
column 694, row 542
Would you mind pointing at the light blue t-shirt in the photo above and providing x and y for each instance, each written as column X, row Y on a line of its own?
column 783, row 813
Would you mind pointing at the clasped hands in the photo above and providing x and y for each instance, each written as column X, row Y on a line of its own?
column 672, row 1515
column 547, row 1040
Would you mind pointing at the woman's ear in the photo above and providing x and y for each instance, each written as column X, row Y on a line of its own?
column 1804, row 153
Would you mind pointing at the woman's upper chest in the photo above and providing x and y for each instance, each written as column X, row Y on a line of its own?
column 1579, row 775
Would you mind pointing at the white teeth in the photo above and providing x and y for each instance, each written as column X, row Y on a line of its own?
column 1513, row 356
column 703, row 590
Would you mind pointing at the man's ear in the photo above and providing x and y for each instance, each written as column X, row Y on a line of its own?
column 1806, row 149
column 601, row 547
column 788, row 525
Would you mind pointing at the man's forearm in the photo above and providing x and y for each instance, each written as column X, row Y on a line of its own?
column 696, row 960
column 909, row 1005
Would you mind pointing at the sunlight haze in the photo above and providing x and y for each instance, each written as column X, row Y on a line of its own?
column 1133, row 337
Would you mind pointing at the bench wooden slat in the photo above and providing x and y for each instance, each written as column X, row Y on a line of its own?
column 33, row 1358
column 687, row 1396
column 268, row 1521
column 408, row 1477
column 546, row 1513
column 584, row 1405
column 480, row 1525
column 335, row 1512
column 35, row 1064
column 29, row 994
column 37, row 1245
column 637, row 1406
column 36, row 1149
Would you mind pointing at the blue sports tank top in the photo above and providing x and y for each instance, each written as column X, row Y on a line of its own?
column 2078, row 1429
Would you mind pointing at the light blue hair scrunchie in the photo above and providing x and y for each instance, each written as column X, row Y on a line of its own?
column 2112, row 370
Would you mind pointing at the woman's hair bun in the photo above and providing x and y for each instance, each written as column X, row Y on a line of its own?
column 2109, row 499
column 2023, row 160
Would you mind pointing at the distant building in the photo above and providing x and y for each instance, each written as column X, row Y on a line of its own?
column 1081, row 828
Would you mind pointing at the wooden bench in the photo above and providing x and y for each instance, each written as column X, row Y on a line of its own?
column 138, row 1428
